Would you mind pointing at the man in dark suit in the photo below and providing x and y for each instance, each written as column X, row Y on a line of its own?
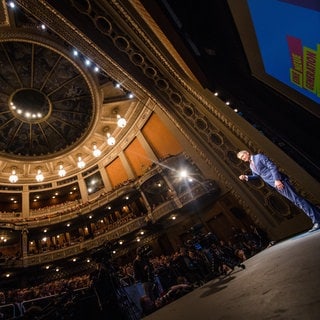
column 261, row 166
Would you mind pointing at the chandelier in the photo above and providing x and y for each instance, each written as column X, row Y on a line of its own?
column 13, row 177
column 81, row 164
column 96, row 152
column 61, row 172
column 121, row 122
column 110, row 139
column 39, row 176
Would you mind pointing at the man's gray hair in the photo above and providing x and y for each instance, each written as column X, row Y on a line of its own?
column 240, row 153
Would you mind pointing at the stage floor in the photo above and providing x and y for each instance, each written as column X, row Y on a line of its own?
column 281, row 282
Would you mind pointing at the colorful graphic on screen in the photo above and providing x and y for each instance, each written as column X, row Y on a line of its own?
column 288, row 34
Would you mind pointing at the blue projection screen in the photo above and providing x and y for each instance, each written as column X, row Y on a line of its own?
column 287, row 38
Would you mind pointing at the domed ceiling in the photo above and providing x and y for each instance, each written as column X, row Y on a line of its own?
column 56, row 103
column 45, row 102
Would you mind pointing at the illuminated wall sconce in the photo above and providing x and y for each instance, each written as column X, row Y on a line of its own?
column 81, row 164
column 61, row 172
column 39, row 176
column 13, row 177
column 96, row 151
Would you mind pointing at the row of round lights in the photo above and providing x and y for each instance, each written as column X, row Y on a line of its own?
column 228, row 103
column 121, row 121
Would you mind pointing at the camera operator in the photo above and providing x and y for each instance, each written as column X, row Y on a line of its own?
column 144, row 271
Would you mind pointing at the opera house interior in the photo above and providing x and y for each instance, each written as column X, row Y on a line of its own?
column 120, row 124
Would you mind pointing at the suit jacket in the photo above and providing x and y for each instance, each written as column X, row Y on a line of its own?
column 262, row 166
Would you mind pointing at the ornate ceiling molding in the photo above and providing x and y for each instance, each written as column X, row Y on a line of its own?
column 184, row 102
column 47, row 100
column 126, row 44
column 47, row 60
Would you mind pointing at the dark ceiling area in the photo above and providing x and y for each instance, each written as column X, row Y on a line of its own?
column 42, row 111
column 209, row 30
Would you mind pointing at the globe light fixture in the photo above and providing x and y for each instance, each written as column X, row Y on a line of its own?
column 121, row 122
column 81, row 163
column 110, row 139
column 96, row 151
column 13, row 177
column 61, row 172
column 39, row 176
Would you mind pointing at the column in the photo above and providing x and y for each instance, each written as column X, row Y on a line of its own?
column 24, row 242
column 25, row 202
column 147, row 147
column 144, row 199
column 173, row 190
column 105, row 177
column 126, row 165
column 83, row 189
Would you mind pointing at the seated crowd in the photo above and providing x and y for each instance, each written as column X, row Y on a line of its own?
column 200, row 259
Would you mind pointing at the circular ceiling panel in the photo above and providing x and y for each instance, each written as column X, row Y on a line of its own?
column 46, row 105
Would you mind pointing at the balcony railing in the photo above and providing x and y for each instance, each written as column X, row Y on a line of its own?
column 196, row 191
column 79, row 247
